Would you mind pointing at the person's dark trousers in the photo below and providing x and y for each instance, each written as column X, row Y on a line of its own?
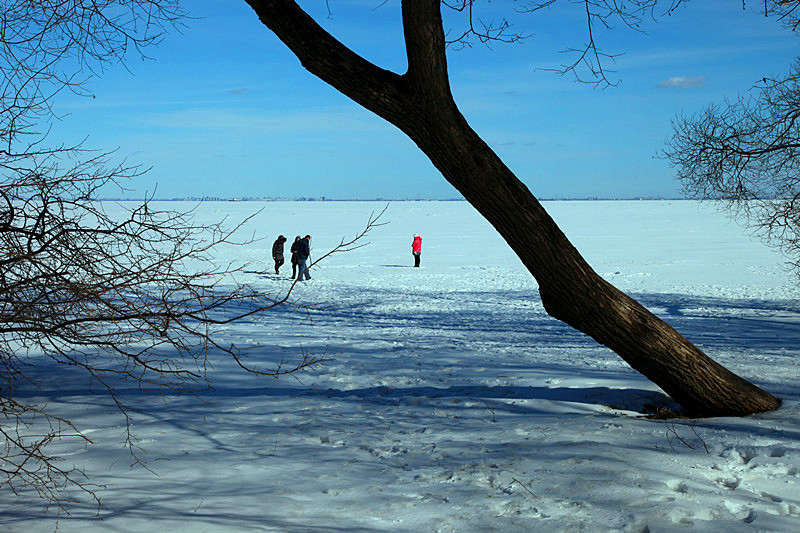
column 416, row 259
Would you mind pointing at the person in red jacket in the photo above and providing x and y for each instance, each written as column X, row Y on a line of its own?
column 416, row 249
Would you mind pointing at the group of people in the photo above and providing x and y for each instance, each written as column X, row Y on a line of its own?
column 301, row 251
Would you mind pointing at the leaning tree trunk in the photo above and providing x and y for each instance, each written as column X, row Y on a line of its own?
column 421, row 105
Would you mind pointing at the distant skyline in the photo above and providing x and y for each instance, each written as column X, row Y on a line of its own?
column 224, row 110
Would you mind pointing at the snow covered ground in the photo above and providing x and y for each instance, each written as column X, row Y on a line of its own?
column 452, row 401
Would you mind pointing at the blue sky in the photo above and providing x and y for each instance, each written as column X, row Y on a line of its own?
column 223, row 108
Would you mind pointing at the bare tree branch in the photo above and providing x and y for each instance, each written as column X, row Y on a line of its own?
column 138, row 296
column 475, row 27
column 747, row 154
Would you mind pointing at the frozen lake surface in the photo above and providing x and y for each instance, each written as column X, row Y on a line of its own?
column 452, row 402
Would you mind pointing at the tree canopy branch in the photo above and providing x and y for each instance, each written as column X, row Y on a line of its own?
column 376, row 89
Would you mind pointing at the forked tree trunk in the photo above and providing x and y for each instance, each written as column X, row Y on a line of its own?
column 421, row 105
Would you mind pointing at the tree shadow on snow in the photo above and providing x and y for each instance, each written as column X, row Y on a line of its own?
column 717, row 325
column 513, row 319
column 637, row 400
column 730, row 323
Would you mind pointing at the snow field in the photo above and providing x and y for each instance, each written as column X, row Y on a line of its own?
column 452, row 402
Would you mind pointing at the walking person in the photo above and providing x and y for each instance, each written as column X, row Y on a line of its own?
column 303, row 253
column 416, row 249
column 293, row 249
column 277, row 252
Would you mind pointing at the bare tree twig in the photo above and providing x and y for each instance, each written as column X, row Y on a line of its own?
column 521, row 484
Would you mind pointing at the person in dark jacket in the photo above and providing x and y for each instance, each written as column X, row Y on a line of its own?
column 303, row 253
column 293, row 249
column 277, row 252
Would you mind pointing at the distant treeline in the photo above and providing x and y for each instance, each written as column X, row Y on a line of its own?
column 323, row 199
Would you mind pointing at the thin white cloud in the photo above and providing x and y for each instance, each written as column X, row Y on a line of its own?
column 310, row 120
column 683, row 82
column 689, row 54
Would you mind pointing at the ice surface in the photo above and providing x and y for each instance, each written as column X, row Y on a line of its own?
column 452, row 401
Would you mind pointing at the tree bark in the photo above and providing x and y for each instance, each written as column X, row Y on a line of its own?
column 421, row 104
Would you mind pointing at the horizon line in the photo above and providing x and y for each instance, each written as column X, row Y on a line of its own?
column 378, row 199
